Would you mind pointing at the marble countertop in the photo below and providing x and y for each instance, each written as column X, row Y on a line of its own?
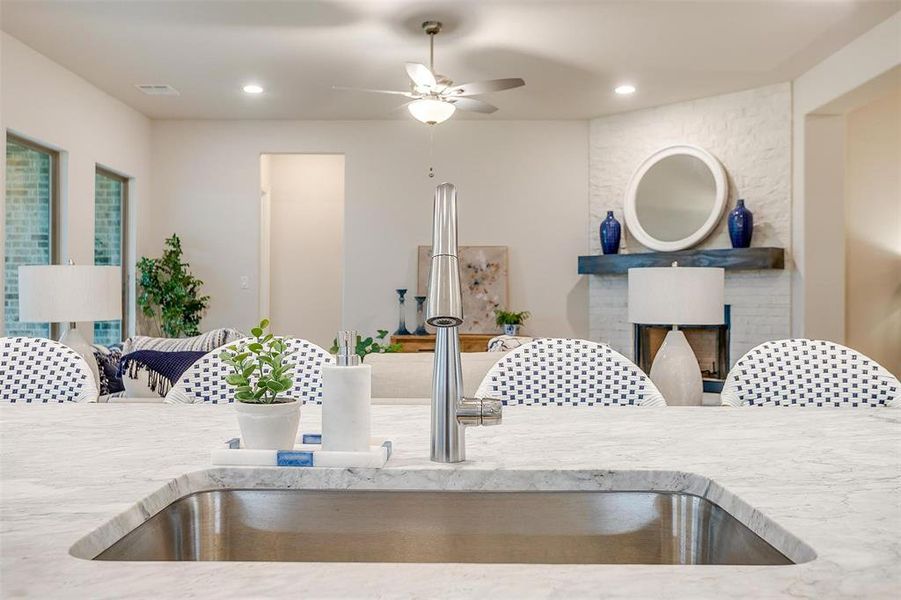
column 822, row 484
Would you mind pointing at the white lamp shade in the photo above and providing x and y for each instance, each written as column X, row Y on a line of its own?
column 63, row 293
column 676, row 295
column 431, row 111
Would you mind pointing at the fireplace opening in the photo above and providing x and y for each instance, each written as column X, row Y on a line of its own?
column 710, row 344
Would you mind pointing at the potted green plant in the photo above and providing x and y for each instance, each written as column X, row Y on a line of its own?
column 260, row 376
column 169, row 295
column 510, row 321
column 368, row 345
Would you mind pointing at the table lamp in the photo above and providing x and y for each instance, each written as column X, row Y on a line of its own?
column 676, row 296
column 70, row 293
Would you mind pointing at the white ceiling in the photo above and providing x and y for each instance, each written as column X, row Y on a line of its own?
column 571, row 54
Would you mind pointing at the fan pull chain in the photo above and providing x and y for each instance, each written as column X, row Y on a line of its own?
column 431, row 150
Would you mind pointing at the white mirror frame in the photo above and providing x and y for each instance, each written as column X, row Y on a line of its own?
column 722, row 194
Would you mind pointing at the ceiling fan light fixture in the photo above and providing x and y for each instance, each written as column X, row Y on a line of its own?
column 431, row 111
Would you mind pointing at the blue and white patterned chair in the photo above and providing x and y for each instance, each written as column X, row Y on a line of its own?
column 204, row 382
column 41, row 371
column 802, row 372
column 563, row 372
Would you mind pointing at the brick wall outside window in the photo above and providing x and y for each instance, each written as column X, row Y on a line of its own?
column 28, row 227
column 107, row 243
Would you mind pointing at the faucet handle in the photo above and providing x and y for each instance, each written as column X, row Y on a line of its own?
column 492, row 409
column 479, row 411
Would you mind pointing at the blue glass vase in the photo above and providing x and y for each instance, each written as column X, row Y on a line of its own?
column 610, row 234
column 741, row 226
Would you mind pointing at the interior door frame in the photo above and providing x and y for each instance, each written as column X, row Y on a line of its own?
column 265, row 252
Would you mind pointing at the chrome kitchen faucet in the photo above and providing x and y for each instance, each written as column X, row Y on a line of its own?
column 451, row 412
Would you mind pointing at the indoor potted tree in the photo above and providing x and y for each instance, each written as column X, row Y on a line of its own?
column 169, row 295
column 510, row 321
column 260, row 376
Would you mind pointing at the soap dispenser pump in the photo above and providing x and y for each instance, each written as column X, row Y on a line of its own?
column 346, row 398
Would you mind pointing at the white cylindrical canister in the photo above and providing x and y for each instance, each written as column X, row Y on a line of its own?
column 346, row 398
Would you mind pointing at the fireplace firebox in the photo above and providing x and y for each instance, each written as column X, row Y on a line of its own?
column 710, row 344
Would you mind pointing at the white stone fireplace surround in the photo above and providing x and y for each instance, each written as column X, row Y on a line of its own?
column 750, row 133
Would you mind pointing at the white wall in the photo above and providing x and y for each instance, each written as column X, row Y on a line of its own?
column 522, row 184
column 750, row 133
column 873, row 230
column 865, row 59
column 824, row 220
column 305, row 244
column 43, row 102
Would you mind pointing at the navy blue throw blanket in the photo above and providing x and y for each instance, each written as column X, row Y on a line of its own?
column 163, row 368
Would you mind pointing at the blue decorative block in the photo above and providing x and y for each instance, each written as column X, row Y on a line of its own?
column 294, row 458
column 611, row 231
column 741, row 225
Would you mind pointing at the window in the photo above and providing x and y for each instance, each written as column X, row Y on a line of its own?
column 32, row 206
column 109, row 242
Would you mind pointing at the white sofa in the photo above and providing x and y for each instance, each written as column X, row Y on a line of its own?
column 406, row 377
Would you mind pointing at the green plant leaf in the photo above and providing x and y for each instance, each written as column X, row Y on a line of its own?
column 236, row 379
column 256, row 332
column 264, row 323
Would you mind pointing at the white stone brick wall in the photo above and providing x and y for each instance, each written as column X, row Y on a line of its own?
column 750, row 133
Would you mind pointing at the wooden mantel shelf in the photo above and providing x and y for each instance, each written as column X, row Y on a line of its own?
column 731, row 259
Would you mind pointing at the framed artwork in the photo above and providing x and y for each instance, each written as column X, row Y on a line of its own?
column 483, row 280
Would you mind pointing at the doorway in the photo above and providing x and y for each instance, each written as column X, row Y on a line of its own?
column 852, row 220
column 302, row 244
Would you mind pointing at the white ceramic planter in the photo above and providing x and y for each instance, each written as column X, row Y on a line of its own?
column 511, row 330
column 269, row 426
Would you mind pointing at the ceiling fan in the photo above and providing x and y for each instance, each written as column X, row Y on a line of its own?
column 434, row 97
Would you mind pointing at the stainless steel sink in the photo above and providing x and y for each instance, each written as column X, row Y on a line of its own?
column 446, row 527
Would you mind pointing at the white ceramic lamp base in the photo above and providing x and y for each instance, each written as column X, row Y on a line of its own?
column 73, row 339
column 676, row 373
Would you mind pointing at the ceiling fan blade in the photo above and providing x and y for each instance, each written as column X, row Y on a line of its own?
column 473, row 105
column 421, row 75
column 484, row 87
column 371, row 91
column 402, row 107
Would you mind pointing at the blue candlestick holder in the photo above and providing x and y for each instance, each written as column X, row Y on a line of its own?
column 402, row 318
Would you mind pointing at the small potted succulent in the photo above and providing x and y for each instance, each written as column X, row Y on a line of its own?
column 260, row 376
column 510, row 321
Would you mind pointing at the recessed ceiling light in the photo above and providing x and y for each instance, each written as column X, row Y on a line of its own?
column 252, row 88
column 624, row 89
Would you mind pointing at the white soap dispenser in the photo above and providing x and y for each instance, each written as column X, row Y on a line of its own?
column 346, row 398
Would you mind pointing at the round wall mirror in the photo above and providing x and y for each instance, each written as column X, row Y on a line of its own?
column 676, row 198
